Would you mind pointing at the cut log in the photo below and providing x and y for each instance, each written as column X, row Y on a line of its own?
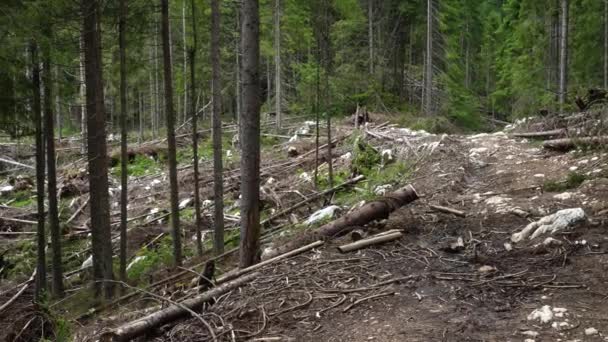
column 154, row 320
column 544, row 134
column 375, row 210
column 570, row 143
column 357, row 234
column 448, row 210
column 372, row 240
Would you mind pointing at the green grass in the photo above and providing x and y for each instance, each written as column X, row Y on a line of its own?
column 140, row 166
column 22, row 198
column 156, row 257
column 572, row 181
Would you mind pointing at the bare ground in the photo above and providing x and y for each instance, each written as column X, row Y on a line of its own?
column 416, row 289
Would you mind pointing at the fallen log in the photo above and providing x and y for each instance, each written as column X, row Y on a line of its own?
column 375, row 210
column 543, row 134
column 372, row 240
column 570, row 143
column 448, row 210
column 241, row 271
column 19, row 293
column 154, row 320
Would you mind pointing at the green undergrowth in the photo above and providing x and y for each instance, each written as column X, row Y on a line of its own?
column 154, row 258
column 572, row 181
column 20, row 199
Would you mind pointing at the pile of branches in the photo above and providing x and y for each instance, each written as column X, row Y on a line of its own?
column 580, row 130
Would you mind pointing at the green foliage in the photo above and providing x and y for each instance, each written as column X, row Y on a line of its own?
column 572, row 181
column 155, row 258
column 22, row 258
column 21, row 198
column 140, row 165
column 365, row 157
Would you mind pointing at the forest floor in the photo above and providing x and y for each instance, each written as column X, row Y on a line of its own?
column 423, row 287
column 448, row 295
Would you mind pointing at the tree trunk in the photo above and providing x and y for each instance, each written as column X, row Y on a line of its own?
column 605, row 44
column 277, row 64
column 197, row 200
column 40, row 160
column 49, row 130
column 317, row 112
column 157, row 94
column 185, row 112
column 563, row 61
column 123, row 140
column 370, row 33
column 327, row 90
column 428, row 79
column 250, row 134
column 374, row 210
column 140, row 326
column 171, row 150
column 216, row 88
column 97, row 152
column 237, row 86
column 58, row 105
column 82, row 92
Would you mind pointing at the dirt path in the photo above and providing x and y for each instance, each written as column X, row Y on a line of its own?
column 418, row 289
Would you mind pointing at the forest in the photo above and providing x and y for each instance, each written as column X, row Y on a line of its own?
column 303, row 170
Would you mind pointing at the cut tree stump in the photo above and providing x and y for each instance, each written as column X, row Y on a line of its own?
column 372, row 240
column 570, row 143
column 174, row 312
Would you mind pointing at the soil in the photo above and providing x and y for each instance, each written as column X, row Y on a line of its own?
column 484, row 292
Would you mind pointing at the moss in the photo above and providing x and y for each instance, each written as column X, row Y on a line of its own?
column 155, row 257
column 572, row 181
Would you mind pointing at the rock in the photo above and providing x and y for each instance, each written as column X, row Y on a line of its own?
column 486, row 269
column 6, row 190
column 306, row 177
column 270, row 181
column 184, row 203
column 530, row 333
column 292, row 151
column 591, row 331
column 455, row 247
column 508, row 247
column 551, row 242
column 88, row 262
column 544, row 314
column 563, row 196
column 555, row 222
column 387, row 157
column 322, row 214
column 380, row 190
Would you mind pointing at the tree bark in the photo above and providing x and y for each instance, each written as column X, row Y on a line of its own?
column 49, row 129
column 563, row 61
column 250, row 133
column 216, row 88
column 277, row 64
column 569, row 143
column 185, row 112
column 170, row 116
column 82, row 92
column 142, row 325
column 605, row 44
column 375, row 210
column 197, row 199
column 370, row 34
column 428, row 79
column 40, row 160
column 97, row 152
column 123, row 140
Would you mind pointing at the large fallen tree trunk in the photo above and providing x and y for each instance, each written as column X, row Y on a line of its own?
column 570, row 143
column 375, row 210
column 543, row 134
column 154, row 320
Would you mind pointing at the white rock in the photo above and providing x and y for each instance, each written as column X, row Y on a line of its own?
column 155, row 182
column 270, row 181
column 530, row 333
column 544, row 314
column 555, row 222
column 228, row 153
column 486, row 269
column 591, row 331
column 539, row 175
column 184, row 203
column 573, row 168
column 207, row 203
column 322, row 214
column 294, row 138
column 381, row 190
column 306, row 177
column 6, row 189
column 154, row 211
column 551, row 242
column 346, row 156
column 563, row 196
column 584, row 161
column 88, row 262
column 135, row 261
column 529, row 340
column 508, row 247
